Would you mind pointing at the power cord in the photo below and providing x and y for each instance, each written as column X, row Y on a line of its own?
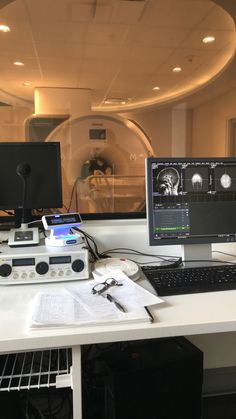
column 91, row 244
column 96, row 255
column 174, row 261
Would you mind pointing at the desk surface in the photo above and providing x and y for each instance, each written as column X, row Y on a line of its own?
column 177, row 315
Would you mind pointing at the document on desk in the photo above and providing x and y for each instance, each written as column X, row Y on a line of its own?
column 76, row 305
column 130, row 294
column 56, row 309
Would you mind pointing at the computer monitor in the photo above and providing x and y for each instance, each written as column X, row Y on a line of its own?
column 191, row 201
column 43, row 189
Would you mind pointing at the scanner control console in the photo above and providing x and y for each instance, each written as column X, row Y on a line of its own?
column 43, row 265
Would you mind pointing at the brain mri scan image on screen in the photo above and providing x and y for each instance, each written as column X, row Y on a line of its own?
column 168, row 181
column 225, row 178
column 225, row 181
column 196, row 179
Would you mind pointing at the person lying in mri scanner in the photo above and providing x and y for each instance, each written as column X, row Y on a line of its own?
column 96, row 167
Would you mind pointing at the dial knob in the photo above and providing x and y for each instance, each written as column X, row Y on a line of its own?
column 5, row 269
column 78, row 265
column 42, row 268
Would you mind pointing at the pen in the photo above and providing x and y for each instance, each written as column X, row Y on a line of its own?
column 117, row 304
column 151, row 318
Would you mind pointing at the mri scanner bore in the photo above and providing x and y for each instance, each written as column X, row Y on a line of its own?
column 103, row 159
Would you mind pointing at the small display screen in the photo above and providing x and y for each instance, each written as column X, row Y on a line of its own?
column 23, row 262
column 97, row 134
column 63, row 219
column 54, row 260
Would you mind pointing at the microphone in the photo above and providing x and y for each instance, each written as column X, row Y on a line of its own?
column 23, row 236
column 23, row 170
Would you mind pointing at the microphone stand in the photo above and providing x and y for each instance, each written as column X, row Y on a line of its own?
column 23, row 170
column 23, row 236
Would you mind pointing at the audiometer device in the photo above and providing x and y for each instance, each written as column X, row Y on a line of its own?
column 43, row 264
column 60, row 226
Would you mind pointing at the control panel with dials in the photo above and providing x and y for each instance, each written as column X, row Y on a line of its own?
column 43, row 264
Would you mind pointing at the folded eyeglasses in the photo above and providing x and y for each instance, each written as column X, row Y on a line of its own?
column 103, row 286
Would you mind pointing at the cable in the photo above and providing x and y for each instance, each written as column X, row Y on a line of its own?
column 35, row 222
column 223, row 253
column 174, row 261
column 93, row 251
column 125, row 250
column 139, row 253
column 72, row 193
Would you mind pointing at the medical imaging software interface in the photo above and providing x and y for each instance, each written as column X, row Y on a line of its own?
column 192, row 201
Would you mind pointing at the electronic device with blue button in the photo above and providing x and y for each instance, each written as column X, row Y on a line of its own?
column 60, row 229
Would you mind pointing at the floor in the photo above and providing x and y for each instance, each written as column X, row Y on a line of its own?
column 219, row 407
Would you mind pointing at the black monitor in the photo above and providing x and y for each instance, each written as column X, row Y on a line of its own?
column 44, row 187
column 191, row 201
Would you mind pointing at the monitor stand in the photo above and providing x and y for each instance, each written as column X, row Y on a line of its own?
column 197, row 252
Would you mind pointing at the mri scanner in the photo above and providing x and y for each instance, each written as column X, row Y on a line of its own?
column 103, row 158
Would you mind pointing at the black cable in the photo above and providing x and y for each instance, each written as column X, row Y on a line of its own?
column 175, row 260
column 137, row 252
column 72, row 193
column 94, row 252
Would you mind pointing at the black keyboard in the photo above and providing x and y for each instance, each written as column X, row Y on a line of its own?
column 191, row 280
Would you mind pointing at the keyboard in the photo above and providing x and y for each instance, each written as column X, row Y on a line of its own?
column 191, row 280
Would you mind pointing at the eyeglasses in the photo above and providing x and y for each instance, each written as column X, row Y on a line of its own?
column 103, row 286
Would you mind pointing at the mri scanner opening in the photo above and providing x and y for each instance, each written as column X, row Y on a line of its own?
column 103, row 159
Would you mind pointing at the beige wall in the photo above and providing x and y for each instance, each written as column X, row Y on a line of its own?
column 209, row 126
column 169, row 129
column 12, row 123
column 200, row 132
column 157, row 125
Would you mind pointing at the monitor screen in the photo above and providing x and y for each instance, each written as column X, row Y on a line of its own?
column 191, row 200
column 43, row 189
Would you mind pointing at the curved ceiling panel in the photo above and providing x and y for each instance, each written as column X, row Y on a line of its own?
column 123, row 50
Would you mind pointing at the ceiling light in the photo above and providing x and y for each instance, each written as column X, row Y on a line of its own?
column 19, row 63
column 208, row 39
column 176, row 69
column 111, row 100
column 156, row 88
column 26, row 83
column 4, row 28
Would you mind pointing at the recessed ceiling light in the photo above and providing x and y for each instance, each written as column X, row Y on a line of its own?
column 26, row 83
column 19, row 63
column 176, row 69
column 4, row 28
column 208, row 39
column 111, row 100
column 156, row 88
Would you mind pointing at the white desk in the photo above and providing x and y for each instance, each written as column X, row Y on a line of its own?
column 177, row 316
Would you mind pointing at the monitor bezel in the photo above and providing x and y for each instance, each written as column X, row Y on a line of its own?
column 58, row 178
column 180, row 240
